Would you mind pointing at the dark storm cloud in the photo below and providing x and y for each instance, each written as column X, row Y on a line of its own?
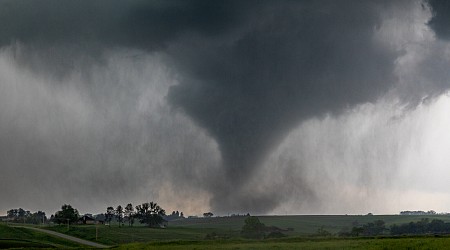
column 62, row 31
column 440, row 22
column 249, row 71
column 146, row 24
column 291, row 62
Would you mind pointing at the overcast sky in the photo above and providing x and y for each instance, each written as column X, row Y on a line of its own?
column 267, row 107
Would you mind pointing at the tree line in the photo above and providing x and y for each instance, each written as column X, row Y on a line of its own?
column 19, row 215
column 148, row 213
column 419, row 212
column 424, row 226
column 378, row 227
column 253, row 228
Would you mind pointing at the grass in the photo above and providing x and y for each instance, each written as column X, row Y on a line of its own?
column 303, row 225
column 11, row 243
column 15, row 237
column 190, row 234
column 303, row 243
column 114, row 235
column 196, row 229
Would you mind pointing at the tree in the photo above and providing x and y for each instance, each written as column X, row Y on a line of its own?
column 150, row 214
column 175, row 215
column 13, row 214
column 67, row 214
column 20, row 215
column 109, row 214
column 119, row 214
column 208, row 214
column 322, row 232
column 37, row 218
column 253, row 228
column 129, row 214
column 379, row 227
column 356, row 231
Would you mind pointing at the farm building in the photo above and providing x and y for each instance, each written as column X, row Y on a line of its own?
column 86, row 219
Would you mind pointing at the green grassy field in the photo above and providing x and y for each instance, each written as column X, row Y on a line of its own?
column 11, row 237
column 192, row 234
column 229, row 227
column 303, row 243
column 303, row 225
column 114, row 235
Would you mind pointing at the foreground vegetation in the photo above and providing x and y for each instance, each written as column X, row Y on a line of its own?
column 302, row 243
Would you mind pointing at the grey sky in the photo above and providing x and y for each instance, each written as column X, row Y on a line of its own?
column 190, row 102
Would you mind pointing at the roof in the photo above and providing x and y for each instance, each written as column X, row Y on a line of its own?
column 86, row 217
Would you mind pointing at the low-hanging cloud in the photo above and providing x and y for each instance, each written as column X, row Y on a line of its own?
column 96, row 138
column 197, row 95
column 366, row 160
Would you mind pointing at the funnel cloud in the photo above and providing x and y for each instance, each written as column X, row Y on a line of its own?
column 229, row 106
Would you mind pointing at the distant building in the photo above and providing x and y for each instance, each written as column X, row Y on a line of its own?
column 100, row 218
column 164, row 224
column 87, row 220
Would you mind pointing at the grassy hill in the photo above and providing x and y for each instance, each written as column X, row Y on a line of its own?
column 12, row 237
